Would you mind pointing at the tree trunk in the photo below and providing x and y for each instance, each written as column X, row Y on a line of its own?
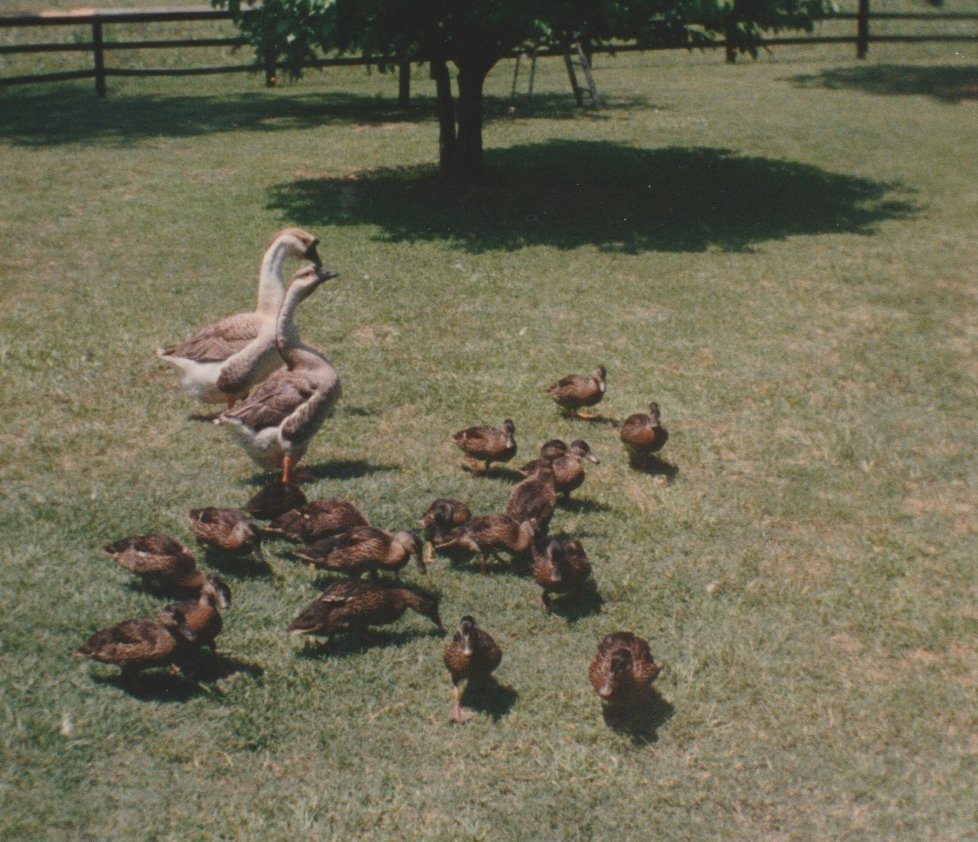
column 446, row 115
column 471, row 79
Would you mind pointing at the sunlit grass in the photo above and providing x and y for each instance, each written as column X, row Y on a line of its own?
column 782, row 256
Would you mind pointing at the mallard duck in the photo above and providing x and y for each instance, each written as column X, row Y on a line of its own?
column 276, row 423
column 364, row 549
column 471, row 654
column 158, row 557
column 275, row 499
column 226, row 359
column 201, row 615
column 567, row 463
column 577, row 390
column 351, row 605
column 622, row 668
column 227, row 530
column 491, row 534
column 559, row 566
column 487, row 444
column 316, row 520
column 643, row 435
column 442, row 516
column 139, row 644
column 535, row 497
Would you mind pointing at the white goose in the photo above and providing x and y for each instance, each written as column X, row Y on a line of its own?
column 278, row 420
column 226, row 359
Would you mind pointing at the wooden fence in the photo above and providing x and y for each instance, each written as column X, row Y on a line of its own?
column 96, row 22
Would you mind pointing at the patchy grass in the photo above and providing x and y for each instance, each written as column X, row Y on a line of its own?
column 785, row 265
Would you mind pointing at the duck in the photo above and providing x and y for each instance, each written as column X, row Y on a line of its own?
column 472, row 654
column 227, row 530
column 567, row 462
column 278, row 420
column 351, row 605
column 364, row 549
column 158, row 557
column 139, row 644
column 487, row 444
column 202, row 616
column 623, row 668
column 577, row 390
column 535, row 497
column 224, row 360
column 442, row 516
column 560, row 566
column 275, row 499
column 643, row 435
column 492, row 534
column 316, row 520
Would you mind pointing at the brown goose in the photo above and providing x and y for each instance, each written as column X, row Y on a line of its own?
column 228, row 358
column 577, row 390
column 471, row 654
column 279, row 419
column 622, row 668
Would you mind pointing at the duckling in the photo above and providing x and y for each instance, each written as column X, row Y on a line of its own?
column 363, row 549
column 139, row 644
column 577, row 390
column 226, row 359
column 228, row 530
column 643, row 435
column 275, row 499
column 492, row 534
column 535, row 497
column 201, row 615
column 487, row 444
column 567, row 463
column 351, row 605
column 559, row 566
column 442, row 516
column 622, row 668
column 316, row 520
column 158, row 557
column 471, row 654
column 279, row 419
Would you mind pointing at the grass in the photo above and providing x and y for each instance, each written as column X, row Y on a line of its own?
column 780, row 253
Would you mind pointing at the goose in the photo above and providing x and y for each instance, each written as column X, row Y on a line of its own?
column 278, row 420
column 226, row 359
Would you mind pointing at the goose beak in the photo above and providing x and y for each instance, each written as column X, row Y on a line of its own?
column 325, row 274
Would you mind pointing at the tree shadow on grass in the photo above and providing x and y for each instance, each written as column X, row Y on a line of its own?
column 947, row 83
column 570, row 193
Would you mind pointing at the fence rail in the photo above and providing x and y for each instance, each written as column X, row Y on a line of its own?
column 98, row 46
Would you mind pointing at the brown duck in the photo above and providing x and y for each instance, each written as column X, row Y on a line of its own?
column 471, row 654
column 440, row 518
column 275, row 499
column 578, row 390
column 158, row 557
column 202, row 616
column 351, row 605
column 560, row 566
column 567, row 463
column 643, row 435
column 622, row 668
column 492, row 534
column 535, row 497
column 228, row 530
column 487, row 444
column 316, row 520
column 139, row 644
column 364, row 549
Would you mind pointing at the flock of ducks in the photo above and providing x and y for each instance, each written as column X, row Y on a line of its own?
column 276, row 393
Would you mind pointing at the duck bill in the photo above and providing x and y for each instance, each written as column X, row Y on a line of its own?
column 592, row 458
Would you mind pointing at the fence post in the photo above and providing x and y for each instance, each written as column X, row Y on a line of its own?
column 99, row 57
column 862, row 32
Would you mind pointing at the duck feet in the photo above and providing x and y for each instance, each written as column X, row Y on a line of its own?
column 460, row 715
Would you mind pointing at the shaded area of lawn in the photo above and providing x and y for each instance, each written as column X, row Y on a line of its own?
column 948, row 83
column 569, row 193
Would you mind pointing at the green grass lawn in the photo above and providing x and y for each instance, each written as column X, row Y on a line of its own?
column 781, row 253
